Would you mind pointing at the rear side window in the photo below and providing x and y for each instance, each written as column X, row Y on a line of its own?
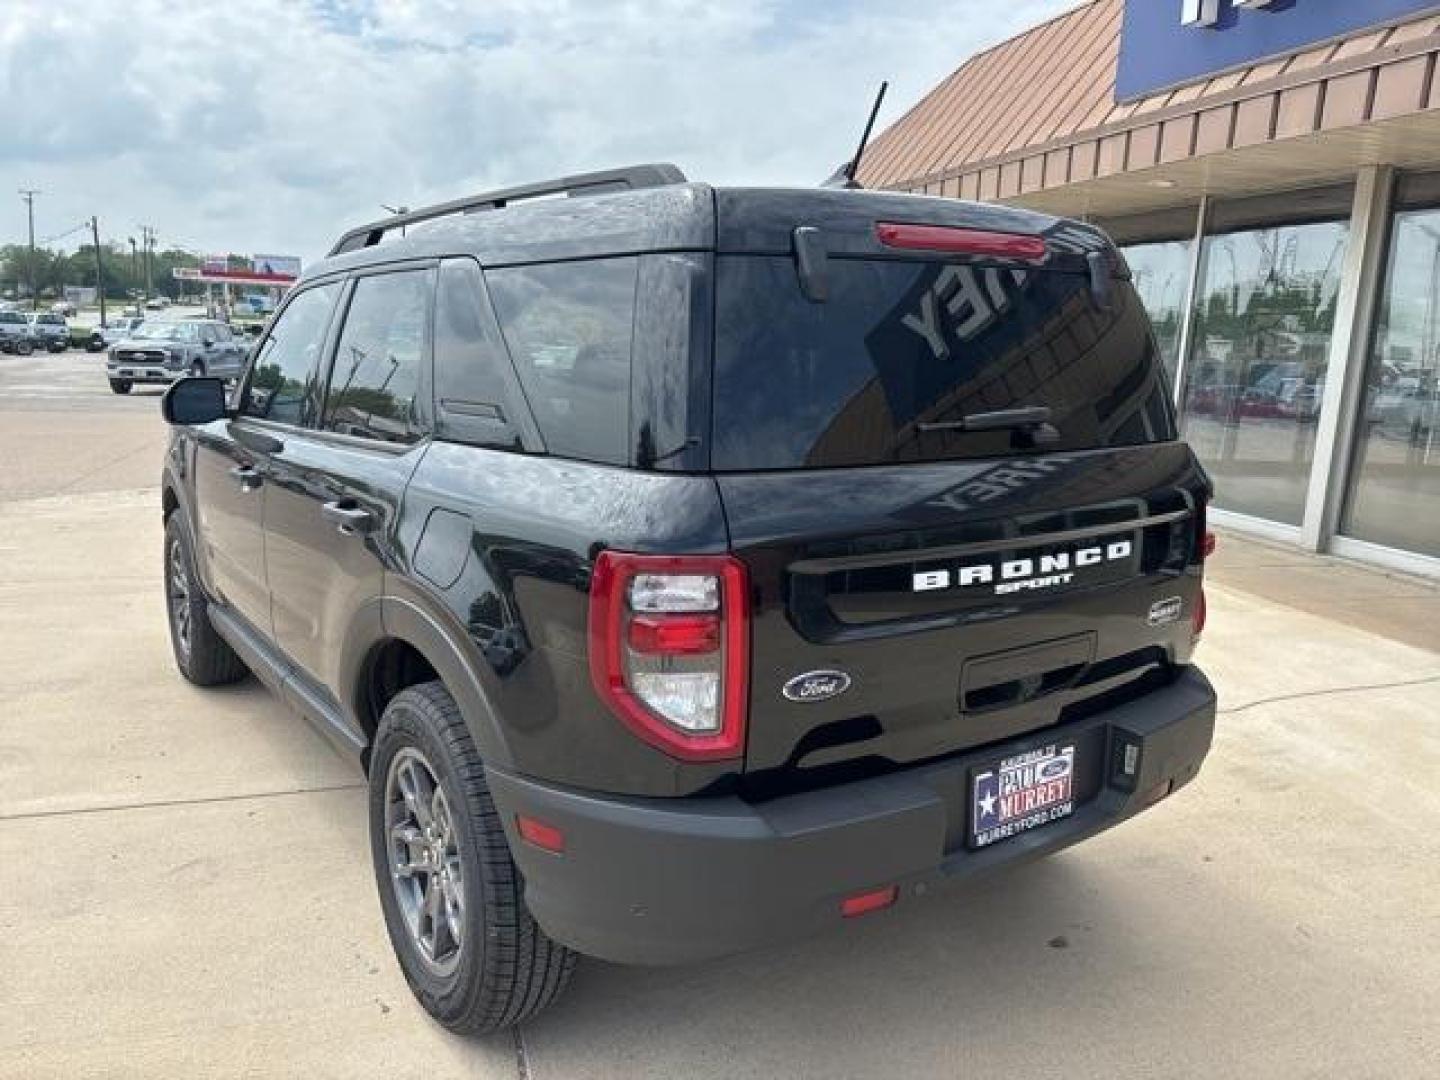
column 569, row 329
column 901, row 343
column 375, row 379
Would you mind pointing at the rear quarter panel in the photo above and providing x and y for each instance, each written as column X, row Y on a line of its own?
column 500, row 546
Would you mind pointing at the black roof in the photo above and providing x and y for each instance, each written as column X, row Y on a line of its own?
column 676, row 216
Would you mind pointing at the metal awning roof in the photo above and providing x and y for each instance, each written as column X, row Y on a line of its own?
column 1035, row 121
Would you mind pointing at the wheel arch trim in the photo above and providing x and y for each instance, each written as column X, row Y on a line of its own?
column 406, row 620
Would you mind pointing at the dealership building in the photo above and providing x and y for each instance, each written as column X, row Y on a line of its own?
column 1271, row 170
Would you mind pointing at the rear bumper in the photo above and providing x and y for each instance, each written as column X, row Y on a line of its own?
column 656, row 881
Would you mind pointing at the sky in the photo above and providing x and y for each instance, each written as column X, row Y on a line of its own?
column 272, row 125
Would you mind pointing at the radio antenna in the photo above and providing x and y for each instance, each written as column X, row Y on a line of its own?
column 854, row 166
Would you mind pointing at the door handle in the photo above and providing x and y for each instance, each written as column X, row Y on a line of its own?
column 348, row 516
column 247, row 476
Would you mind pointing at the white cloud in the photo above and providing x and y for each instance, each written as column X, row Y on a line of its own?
column 270, row 125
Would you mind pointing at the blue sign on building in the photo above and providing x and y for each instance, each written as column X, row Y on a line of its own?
column 1168, row 42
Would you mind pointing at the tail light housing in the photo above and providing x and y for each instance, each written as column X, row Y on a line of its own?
column 669, row 640
column 1205, row 547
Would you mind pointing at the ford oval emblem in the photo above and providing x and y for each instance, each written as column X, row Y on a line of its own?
column 816, row 686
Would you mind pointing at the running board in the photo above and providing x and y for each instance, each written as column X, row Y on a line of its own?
column 293, row 687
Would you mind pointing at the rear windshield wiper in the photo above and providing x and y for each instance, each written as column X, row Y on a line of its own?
column 1034, row 420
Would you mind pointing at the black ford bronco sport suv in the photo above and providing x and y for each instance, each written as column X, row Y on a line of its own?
column 690, row 568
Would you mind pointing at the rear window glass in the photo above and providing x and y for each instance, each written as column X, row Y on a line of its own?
column 900, row 343
column 569, row 327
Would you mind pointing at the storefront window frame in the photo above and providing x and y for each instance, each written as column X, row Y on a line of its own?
column 1403, row 194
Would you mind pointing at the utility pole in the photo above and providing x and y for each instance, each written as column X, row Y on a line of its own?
column 99, row 266
column 147, row 237
column 134, row 261
column 28, row 194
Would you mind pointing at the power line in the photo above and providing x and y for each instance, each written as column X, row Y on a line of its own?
column 67, row 232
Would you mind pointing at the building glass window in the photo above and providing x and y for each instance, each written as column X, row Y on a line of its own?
column 1393, row 496
column 1160, row 272
column 1265, row 311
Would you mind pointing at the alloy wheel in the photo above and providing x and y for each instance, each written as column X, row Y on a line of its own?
column 178, row 594
column 424, row 859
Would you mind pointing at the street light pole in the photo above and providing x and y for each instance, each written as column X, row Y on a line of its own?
column 28, row 194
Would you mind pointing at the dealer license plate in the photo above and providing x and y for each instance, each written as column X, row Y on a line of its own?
column 1020, row 793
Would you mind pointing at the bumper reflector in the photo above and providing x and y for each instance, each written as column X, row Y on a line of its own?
column 866, row 902
column 538, row 834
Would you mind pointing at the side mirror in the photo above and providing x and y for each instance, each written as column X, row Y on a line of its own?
column 198, row 400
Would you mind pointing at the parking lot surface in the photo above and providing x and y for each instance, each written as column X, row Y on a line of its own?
column 185, row 886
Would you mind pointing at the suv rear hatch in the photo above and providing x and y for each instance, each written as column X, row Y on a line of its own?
column 948, row 459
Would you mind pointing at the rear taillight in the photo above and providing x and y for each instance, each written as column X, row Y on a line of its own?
column 961, row 241
column 1205, row 545
column 670, row 647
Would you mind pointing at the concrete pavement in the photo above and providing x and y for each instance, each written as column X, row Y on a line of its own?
column 185, row 885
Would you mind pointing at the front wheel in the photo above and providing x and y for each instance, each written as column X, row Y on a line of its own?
column 120, row 386
column 202, row 655
column 24, row 348
column 452, row 897
column 58, row 346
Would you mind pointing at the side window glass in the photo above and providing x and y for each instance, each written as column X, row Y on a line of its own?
column 475, row 385
column 569, row 327
column 285, row 369
column 375, row 380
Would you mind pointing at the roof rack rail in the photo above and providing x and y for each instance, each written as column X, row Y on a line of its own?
column 592, row 183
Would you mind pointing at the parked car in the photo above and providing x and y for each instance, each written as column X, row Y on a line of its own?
column 161, row 352
column 16, row 334
column 116, row 330
column 50, row 330
column 692, row 568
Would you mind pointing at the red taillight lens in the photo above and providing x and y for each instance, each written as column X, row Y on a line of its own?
column 669, row 641
column 1200, row 613
column 961, row 241
column 866, row 902
column 536, row 832
column 677, row 635
column 1207, row 544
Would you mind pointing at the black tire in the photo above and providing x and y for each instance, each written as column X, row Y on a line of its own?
column 120, row 386
column 24, row 348
column 201, row 654
column 504, row 968
column 58, row 346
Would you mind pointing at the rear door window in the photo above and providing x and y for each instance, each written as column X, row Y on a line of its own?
column 375, row 378
column 476, row 394
column 901, row 343
column 569, row 329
